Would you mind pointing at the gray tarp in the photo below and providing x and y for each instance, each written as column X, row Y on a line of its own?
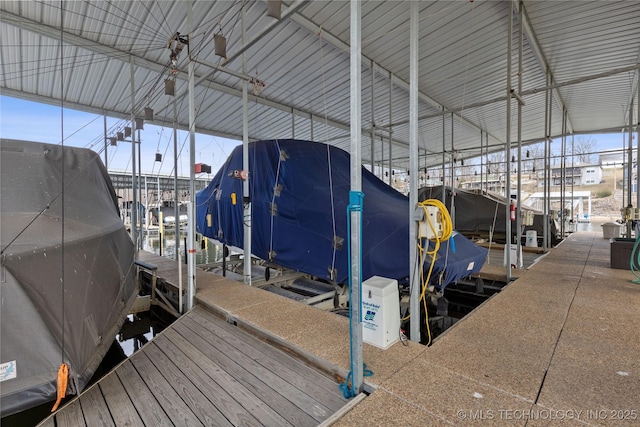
column 66, row 279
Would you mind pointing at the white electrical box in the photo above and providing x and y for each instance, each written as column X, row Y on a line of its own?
column 433, row 230
column 515, row 257
column 380, row 312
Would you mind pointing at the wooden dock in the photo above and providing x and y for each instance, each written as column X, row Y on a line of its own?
column 205, row 371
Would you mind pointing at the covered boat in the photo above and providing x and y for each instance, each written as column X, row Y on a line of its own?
column 67, row 279
column 481, row 214
column 299, row 193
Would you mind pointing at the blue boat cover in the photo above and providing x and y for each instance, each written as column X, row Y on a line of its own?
column 299, row 194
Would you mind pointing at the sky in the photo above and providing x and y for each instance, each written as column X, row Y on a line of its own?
column 31, row 121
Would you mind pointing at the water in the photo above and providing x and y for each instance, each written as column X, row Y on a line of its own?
column 207, row 251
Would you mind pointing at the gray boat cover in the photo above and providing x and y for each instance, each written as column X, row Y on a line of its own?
column 66, row 278
column 479, row 212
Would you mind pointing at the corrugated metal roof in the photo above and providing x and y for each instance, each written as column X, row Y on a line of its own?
column 303, row 61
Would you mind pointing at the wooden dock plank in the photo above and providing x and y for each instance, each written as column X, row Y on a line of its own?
column 202, row 407
column 94, row 407
column 288, row 400
column 71, row 415
column 122, row 410
column 225, row 403
column 145, row 402
column 256, row 380
column 244, row 396
column 323, row 381
column 48, row 422
column 169, row 399
column 284, row 366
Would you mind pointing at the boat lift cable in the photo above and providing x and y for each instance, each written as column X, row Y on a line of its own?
column 332, row 273
column 47, row 206
column 273, row 201
column 63, row 370
column 635, row 258
column 333, row 217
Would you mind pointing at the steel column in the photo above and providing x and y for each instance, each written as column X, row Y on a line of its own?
column 134, row 203
column 415, row 284
column 507, row 154
column 191, row 229
column 246, row 198
column 356, row 187
column 519, row 173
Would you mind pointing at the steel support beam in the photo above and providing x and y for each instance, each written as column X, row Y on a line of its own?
column 507, row 151
column 191, row 230
column 415, row 285
column 246, row 198
column 355, row 217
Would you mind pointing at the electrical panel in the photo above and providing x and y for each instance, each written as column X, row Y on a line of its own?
column 433, row 227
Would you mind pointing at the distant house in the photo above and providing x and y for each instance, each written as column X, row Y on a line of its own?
column 493, row 182
column 576, row 175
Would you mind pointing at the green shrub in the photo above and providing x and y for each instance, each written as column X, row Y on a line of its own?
column 603, row 193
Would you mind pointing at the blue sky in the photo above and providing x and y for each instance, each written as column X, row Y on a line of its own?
column 20, row 119
column 31, row 121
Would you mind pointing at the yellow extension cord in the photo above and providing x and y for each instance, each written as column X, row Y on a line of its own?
column 447, row 231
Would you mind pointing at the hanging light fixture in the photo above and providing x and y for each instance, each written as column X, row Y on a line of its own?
column 148, row 114
column 158, row 157
column 527, row 154
column 120, row 136
column 169, row 87
column 127, row 131
column 139, row 123
column 513, row 158
column 220, row 45
column 273, row 8
column 113, row 140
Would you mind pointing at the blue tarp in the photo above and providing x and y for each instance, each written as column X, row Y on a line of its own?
column 299, row 194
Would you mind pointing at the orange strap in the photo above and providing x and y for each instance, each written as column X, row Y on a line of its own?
column 63, row 379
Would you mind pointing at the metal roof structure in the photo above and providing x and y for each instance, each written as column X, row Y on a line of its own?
column 585, row 54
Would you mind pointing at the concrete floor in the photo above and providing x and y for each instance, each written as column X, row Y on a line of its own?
column 558, row 345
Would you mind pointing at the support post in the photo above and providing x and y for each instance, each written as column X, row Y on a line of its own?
column 630, row 167
column 390, row 128
column 191, row 228
column 106, row 143
column 507, row 151
column 414, row 303
column 545, row 181
column 373, row 119
column 176, row 206
column 134, row 203
column 246, row 200
column 356, row 188
column 444, row 160
column 519, row 227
